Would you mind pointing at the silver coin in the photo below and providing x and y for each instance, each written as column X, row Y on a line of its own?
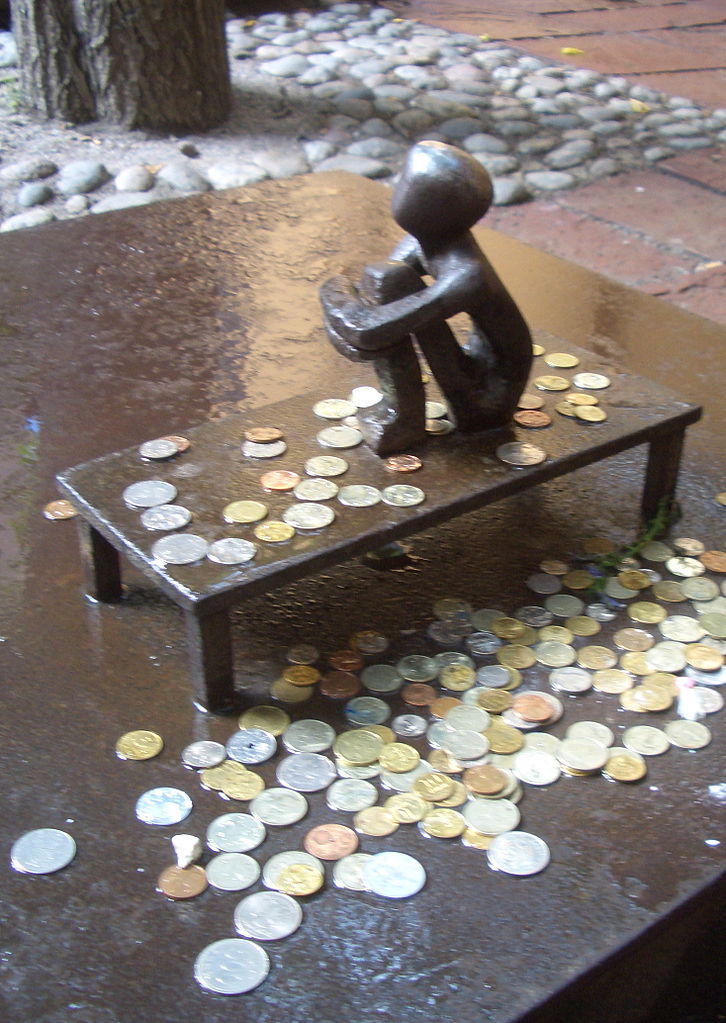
column 203, row 753
column 402, row 495
column 186, row 471
column 232, row 871
column 165, row 517
column 619, row 592
column 231, row 966
column 316, row 488
column 306, row 772
column 439, row 426
column 278, row 807
column 646, row 740
column 235, row 833
column 543, row 583
column 491, row 816
column 403, row 780
column 148, row 493
column 381, row 678
column 708, row 700
column 418, row 668
column 493, row 676
column 309, row 515
column 230, row 550
column 281, row 861
column 252, row 450
column 519, row 853
column 160, row 448
column 163, row 806
column 665, row 657
column 362, row 773
column 707, row 678
column 681, row 628
column 564, row 605
column 267, row 916
column 303, row 653
column 687, row 734
column 251, row 746
column 394, row 875
column 472, row 718
column 596, row 731
column 365, row 397
column 437, row 732
column 688, row 546
column 520, row 454
column 543, row 741
column 359, row 495
column 348, row 872
column 465, row 744
column 42, row 851
column 369, row 642
column 435, row 410
column 571, row 680
column 448, row 634
column 591, row 381
column 367, row 710
column 340, row 437
column 452, row 609
column 535, row 616
column 483, row 617
column 180, row 549
column 308, row 736
column 482, row 643
column 448, row 657
column 600, row 612
column 326, row 466
column 699, row 588
column 351, row 795
column 536, row 767
column 685, row 568
column 409, row 726
column 334, row 408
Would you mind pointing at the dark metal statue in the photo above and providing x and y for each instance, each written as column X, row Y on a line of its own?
column 441, row 193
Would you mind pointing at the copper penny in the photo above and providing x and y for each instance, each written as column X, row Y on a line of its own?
column 531, row 707
column 441, row 707
column 340, row 685
column 345, row 660
column 533, row 419
column 715, row 561
column 182, row 882
column 403, row 463
column 280, row 479
column 530, row 401
column 485, row 779
column 418, row 694
column 182, row 443
column 330, row 841
column 263, row 434
column 57, row 510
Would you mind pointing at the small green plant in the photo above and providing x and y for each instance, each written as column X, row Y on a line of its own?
column 668, row 513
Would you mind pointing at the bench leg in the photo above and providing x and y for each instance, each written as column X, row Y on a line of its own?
column 209, row 651
column 661, row 474
column 101, row 564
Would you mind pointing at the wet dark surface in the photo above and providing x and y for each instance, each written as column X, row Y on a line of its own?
column 129, row 326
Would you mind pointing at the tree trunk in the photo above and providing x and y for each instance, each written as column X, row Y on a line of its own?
column 159, row 64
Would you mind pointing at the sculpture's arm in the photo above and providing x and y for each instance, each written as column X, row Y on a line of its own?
column 409, row 251
column 375, row 327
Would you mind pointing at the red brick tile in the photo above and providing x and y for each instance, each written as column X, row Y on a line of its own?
column 704, row 167
column 630, row 19
column 625, row 53
column 707, row 88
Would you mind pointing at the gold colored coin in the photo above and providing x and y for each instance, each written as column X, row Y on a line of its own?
column 663, row 680
column 433, row 786
column 625, row 766
column 703, row 657
column 514, row 655
column 578, row 579
column 549, row 382
column 635, row 662
column 583, row 625
column 376, row 821
column 384, row 733
column 301, row 675
column 473, row 839
column 359, row 746
column 457, row 798
column 457, row 677
column 551, row 566
column 244, row 512
column 508, row 628
column 561, row 360
column 485, row 780
column 274, row 531
column 272, row 719
column 398, row 757
column 646, row 699
column 669, row 590
column 575, row 398
column 515, row 679
column 443, row 762
column 556, row 634
column 494, row 700
column 300, row 879
column 139, row 745
column 59, row 510
column 596, row 657
column 611, row 680
column 407, row 807
column 244, row 787
column 632, row 579
column 441, row 707
column 537, row 350
column 287, row 693
column 532, row 402
column 566, row 408
column 646, row 612
column 216, row 778
column 721, row 498
column 503, row 738
column 443, row 823
column 636, row 640
column 591, row 413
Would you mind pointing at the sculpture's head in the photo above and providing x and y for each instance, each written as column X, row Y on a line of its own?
column 441, row 193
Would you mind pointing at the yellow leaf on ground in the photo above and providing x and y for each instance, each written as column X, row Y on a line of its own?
column 571, row 51
column 639, row 107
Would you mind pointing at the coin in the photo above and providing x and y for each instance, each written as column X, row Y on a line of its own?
column 326, row 466
column 330, row 841
column 309, row 515
column 339, row 437
column 646, row 612
column 279, row 862
column 42, row 851
column 520, row 454
column 315, row 488
column 158, row 449
column 334, row 408
column 685, row 567
column 503, row 738
column 264, row 450
column 251, row 746
column 182, row 883
column 584, row 755
column 624, row 765
column 518, row 853
column 714, row 561
column 244, row 512
column 359, row 496
column 267, row 916
column 530, row 401
column 611, row 680
column 646, row 740
column 274, row 531
column 532, row 707
column 566, row 408
column 164, row 517
column 163, row 805
column 575, row 398
column 403, row 463
column 231, row 966
column 376, row 821
column 699, row 588
column 305, row 772
column 235, row 832
column 58, row 510
column 139, row 745
column 491, row 817
column 351, row 795
column 394, row 875
column 703, row 657
column 596, row 657
column 571, row 680
column 590, row 413
column 179, row 549
column 549, row 382
column 263, row 434
column 532, row 419
column 402, row 496
column 591, row 381
column 439, row 426
column 147, row 493
column 230, row 550
column 277, row 807
column 687, row 734
column 245, row 787
column 442, row 822
column 279, row 480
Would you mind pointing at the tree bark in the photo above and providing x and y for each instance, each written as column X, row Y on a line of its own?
column 159, row 64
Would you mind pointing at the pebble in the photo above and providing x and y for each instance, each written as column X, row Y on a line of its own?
column 353, row 86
